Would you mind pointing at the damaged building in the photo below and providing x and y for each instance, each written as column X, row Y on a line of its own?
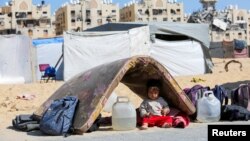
column 226, row 26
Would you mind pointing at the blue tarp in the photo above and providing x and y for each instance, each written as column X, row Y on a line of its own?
column 37, row 42
column 239, row 44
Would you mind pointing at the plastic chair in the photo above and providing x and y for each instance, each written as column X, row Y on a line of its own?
column 44, row 76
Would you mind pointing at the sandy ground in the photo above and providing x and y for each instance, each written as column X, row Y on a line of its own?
column 10, row 105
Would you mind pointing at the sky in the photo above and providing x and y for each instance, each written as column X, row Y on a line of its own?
column 189, row 5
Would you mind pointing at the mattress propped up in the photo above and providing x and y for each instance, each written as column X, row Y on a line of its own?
column 93, row 88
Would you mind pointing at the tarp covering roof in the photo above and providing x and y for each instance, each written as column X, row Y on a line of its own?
column 94, row 87
column 37, row 42
column 195, row 31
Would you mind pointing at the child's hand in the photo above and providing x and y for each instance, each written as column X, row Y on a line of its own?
column 165, row 111
column 147, row 114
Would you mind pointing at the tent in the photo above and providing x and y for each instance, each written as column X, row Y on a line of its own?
column 93, row 88
column 182, row 48
column 15, row 59
column 48, row 51
column 188, row 55
column 85, row 50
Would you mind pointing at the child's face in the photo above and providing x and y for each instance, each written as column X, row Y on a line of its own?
column 153, row 92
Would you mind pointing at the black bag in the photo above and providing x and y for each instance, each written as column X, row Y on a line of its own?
column 25, row 123
column 234, row 112
column 58, row 118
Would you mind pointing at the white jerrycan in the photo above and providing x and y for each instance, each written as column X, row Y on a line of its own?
column 123, row 114
column 208, row 108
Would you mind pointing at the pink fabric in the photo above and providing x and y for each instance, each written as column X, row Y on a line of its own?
column 241, row 53
column 181, row 120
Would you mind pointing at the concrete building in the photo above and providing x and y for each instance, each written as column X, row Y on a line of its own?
column 83, row 14
column 152, row 10
column 22, row 17
column 237, row 29
column 227, row 24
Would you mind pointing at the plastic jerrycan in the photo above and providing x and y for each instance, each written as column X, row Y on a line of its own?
column 123, row 114
column 208, row 108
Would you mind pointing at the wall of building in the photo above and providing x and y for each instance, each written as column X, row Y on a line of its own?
column 28, row 19
column 84, row 15
column 152, row 10
column 240, row 21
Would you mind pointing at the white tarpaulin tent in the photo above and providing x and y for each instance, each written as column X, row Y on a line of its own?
column 15, row 59
column 179, row 57
column 182, row 48
column 114, row 41
column 86, row 50
column 48, row 51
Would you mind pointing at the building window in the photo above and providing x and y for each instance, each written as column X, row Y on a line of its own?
column 30, row 32
column 238, row 18
column 240, row 35
column 113, row 11
column 87, row 13
column 179, row 19
column 165, row 19
column 172, row 12
column 99, row 21
column 73, row 13
column 44, row 12
column 99, row 12
column 88, row 21
column 139, row 19
column 73, row 22
column 45, row 33
column 242, row 18
column 227, row 36
column 130, row 14
column 157, row 11
column 154, row 19
column 140, row 11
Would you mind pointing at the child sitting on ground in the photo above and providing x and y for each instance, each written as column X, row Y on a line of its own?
column 154, row 109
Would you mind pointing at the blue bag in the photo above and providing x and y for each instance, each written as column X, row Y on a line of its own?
column 58, row 118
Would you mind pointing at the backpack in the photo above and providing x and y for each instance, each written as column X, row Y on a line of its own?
column 241, row 96
column 221, row 94
column 58, row 118
column 234, row 112
column 50, row 71
column 195, row 92
column 25, row 123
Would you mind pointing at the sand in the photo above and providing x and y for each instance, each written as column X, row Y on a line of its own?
column 10, row 105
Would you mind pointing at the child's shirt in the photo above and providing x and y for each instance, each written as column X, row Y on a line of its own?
column 152, row 106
